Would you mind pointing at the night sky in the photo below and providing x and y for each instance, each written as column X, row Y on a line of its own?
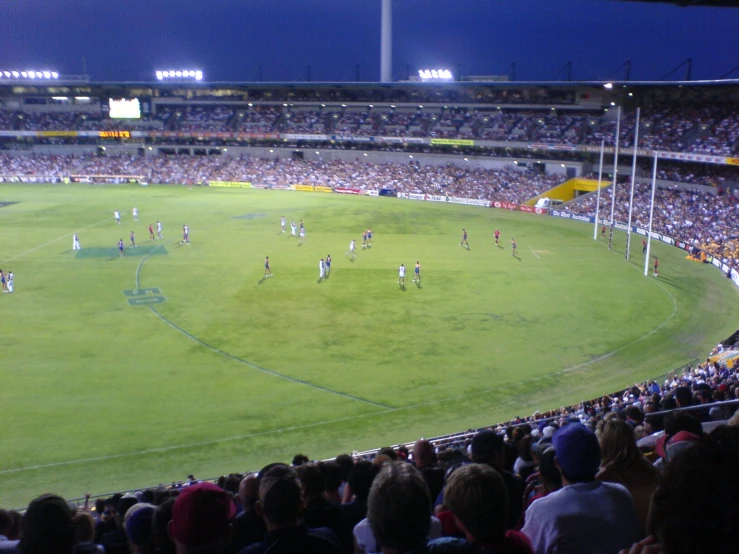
column 230, row 39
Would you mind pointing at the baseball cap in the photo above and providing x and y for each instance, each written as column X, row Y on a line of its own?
column 139, row 523
column 578, row 451
column 667, row 446
column 201, row 514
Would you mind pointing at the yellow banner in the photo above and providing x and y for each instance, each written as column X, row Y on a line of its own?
column 454, row 142
column 732, row 161
column 310, row 188
column 230, row 184
column 56, row 133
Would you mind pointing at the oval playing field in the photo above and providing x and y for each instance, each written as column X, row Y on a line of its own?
column 177, row 359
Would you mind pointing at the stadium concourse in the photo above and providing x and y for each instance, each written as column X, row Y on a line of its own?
column 631, row 464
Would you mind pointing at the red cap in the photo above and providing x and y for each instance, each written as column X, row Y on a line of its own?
column 680, row 436
column 201, row 514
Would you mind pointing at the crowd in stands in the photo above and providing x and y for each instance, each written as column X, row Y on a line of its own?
column 700, row 218
column 646, row 470
column 707, row 128
column 507, row 184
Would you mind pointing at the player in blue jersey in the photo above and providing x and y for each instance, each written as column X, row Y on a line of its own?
column 369, row 237
column 464, row 239
column 121, row 246
column 267, row 268
column 364, row 240
column 417, row 273
column 513, row 247
column 133, row 240
column 328, row 265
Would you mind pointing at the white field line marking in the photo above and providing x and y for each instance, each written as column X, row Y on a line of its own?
column 534, row 253
column 318, row 423
column 52, row 241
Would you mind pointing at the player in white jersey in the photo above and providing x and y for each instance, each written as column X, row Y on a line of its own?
column 321, row 269
column 185, row 235
column 282, row 223
column 293, row 229
column 401, row 275
column 352, row 249
column 135, row 214
column 11, row 281
column 159, row 230
column 301, row 236
column 117, row 216
column 76, row 242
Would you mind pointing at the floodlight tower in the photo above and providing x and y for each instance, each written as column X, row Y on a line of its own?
column 386, row 42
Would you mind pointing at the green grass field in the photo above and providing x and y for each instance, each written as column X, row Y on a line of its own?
column 232, row 371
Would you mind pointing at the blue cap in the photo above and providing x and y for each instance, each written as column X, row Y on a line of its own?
column 578, row 452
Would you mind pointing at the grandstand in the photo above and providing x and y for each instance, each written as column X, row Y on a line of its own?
column 493, row 145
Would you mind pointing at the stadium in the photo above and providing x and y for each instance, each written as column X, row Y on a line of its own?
column 171, row 317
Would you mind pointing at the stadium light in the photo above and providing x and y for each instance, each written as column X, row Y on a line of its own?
column 29, row 74
column 435, row 74
column 608, row 86
column 179, row 74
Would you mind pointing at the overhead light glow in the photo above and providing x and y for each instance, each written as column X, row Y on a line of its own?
column 181, row 74
column 609, row 86
column 435, row 74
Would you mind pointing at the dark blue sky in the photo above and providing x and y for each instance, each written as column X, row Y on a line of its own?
column 230, row 39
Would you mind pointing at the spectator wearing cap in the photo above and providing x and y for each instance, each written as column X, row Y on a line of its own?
column 621, row 462
column 139, row 525
column 279, row 505
column 586, row 515
column 47, row 527
column 201, row 520
column 248, row 526
column 477, row 497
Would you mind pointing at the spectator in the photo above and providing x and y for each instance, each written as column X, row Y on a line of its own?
column 84, row 533
column 621, row 462
column 477, row 497
column 585, row 516
column 248, row 526
column 162, row 516
column 360, row 480
column 488, row 448
column 201, row 519
column 279, row 504
column 424, row 457
column 694, row 508
column 399, row 511
column 139, row 524
column 47, row 526
column 318, row 512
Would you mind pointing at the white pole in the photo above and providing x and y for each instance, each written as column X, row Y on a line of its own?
column 651, row 213
column 600, row 177
column 633, row 183
column 615, row 164
column 386, row 42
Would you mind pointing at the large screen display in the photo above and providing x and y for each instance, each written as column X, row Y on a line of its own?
column 121, row 108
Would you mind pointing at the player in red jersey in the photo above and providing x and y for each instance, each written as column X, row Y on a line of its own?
column 656, row 267
column 151, row 232
column 497, row 237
